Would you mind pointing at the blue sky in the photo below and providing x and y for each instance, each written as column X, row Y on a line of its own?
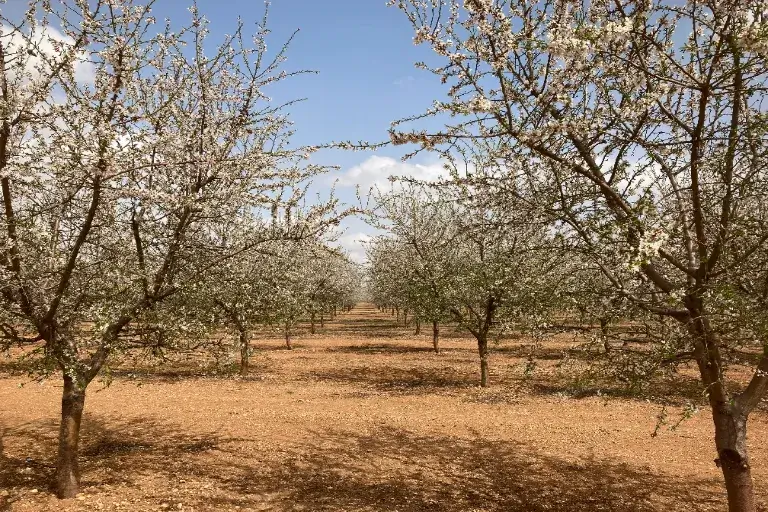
column 364, row 56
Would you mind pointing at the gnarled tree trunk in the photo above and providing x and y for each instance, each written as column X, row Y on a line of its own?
column 67, row 469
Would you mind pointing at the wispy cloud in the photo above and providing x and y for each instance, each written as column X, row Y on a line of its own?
column 375, row 172
column 354, row 245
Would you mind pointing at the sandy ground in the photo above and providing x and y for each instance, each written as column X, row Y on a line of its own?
column 362, row 416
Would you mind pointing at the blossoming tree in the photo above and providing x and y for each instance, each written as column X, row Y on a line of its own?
column 488, row 273
column 641, row 124
column 113, row 185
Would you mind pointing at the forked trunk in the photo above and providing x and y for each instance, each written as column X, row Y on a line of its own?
column 729, row 418
column 67, row 470
column 436, row 336
column 244, row 352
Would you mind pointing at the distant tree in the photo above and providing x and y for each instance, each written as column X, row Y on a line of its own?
column 463, row 259
column 423, row 250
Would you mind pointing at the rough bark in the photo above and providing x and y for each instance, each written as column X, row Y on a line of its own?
column 436, row 336
column 67, row 469
column 731, row 444
column 244, row 349
column 727, row 414
column 482, row 347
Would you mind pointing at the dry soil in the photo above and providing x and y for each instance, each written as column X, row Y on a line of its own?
column 362, row 416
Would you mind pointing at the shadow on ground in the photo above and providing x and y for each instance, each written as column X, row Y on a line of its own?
column 673, row 390
column 399, row 379
column 383, row 349
column 389, row 469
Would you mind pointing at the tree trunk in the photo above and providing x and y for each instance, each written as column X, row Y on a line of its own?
column 729, row 419
column 322, row 319
column 244, row 349
column 482, row 348
column 604, row 334
column 582, row 315
column 288, row 342
column 436, row 336
column 731, row 444
column 405, row 318
column 67, row 470
column 312, row 323
column 418, row 326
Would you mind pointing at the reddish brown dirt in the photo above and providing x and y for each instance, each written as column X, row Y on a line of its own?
column 362, row 416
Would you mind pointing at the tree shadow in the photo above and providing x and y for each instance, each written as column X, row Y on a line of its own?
column 382, row 349
column 544, row 352
column 677, row 390
column 384, row 469
column 392, row 328
column 113, row 453
column 394, row 469
column 176, row 370
column 399, row 380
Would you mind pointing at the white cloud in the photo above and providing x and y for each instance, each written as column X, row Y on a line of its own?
column 45, row 42
column 376, row 171
column 353, row 243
